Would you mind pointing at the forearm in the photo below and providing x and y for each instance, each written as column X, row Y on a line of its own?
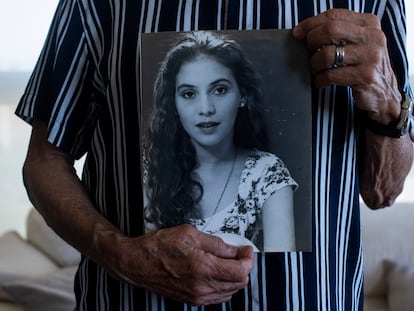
column 385, row 163
column 58, row 194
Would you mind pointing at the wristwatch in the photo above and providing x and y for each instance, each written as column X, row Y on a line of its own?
column 398, row 128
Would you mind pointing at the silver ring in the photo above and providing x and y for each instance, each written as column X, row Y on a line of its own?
column 339, row 56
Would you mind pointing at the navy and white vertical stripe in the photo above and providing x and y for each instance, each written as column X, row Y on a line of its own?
column 86, row 87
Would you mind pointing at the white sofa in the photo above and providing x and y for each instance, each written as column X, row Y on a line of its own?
column 37, row 273
column 388, row 243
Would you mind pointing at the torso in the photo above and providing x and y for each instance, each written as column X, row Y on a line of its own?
column 317, row 280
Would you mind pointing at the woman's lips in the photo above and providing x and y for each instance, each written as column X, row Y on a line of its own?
column 209, row 124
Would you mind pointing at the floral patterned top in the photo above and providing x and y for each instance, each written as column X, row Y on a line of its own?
column 263, row 175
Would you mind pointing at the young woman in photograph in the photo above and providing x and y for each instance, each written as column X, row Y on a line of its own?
column 205, row 155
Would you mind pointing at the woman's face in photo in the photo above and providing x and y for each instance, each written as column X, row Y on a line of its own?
column 207, row 99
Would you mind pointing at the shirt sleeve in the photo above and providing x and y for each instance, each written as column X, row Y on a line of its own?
column 393, row 23
column 275, row 175
column 59, row 91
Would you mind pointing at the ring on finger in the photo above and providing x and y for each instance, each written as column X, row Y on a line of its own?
column 339, row 56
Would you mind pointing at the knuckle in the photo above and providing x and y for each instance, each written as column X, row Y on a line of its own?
column 333, row 14
column 376, row 56
column 377, row 36
column 320, row 61
column 243, row 283
column 332, row 28
column 368, row 75
column 188, row 234
column 198, row 296
column 197, row 293
column 187, row 228
column 372, row 20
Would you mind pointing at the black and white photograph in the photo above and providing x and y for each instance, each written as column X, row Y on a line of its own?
column 227, row 137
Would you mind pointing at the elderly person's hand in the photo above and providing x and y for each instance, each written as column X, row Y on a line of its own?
column 185, row 264
column 350, row 49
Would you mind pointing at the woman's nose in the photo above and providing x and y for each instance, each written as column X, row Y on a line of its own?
column 206, row 106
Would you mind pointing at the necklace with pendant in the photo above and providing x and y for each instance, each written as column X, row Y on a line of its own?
column 222, row 192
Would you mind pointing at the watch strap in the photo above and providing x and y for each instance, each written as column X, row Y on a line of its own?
column 384, row 130
column 398, row 128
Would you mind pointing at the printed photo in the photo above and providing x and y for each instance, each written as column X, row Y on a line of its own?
column 226, row 136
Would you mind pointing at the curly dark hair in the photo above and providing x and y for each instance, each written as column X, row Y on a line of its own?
column 169, row 155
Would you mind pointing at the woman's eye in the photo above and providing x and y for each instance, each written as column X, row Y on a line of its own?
column 220, row 90
column 187, row 94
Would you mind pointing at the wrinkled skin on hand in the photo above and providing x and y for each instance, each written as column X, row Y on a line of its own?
column 186, row 265
column 367, row 69
column 384, row 162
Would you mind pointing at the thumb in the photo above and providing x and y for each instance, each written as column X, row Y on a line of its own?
column 246, row 255
column 217, row 247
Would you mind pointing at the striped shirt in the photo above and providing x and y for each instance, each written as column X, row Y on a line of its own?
column 85, row 86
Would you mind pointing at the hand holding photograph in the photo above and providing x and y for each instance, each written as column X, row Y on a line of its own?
column 226, row 144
